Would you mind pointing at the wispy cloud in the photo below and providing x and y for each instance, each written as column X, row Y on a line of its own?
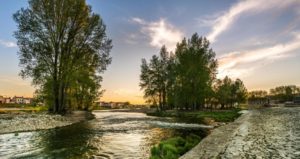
column 160, row 32
column 8, row 43
column 225, row 21
column 138, row 20
column 208, row 20
column 237, row 63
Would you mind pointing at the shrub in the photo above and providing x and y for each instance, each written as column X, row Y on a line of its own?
column 174, row 147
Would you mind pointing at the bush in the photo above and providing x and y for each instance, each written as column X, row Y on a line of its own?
column 174, row 147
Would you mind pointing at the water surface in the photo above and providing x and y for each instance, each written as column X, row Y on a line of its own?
column 110, row 135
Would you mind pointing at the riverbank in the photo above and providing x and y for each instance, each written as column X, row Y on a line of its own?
column 178, row 145
column 19, row 121
column 216, row 142
column 214, row 118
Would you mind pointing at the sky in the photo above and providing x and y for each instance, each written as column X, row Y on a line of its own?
column 254, row 40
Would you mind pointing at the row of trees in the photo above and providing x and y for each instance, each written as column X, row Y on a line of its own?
column 279, row 94
column 187, row 78
column 64, row 49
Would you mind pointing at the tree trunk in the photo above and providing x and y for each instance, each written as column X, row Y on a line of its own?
column 160, row 102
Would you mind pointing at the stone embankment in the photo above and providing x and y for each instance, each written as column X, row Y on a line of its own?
column 12, row 122
column 215, row 143
column 261, row 133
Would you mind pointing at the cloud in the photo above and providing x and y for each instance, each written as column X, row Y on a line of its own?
column 160, row 33
column 7, row 43
column 208, row 20
column 225, row 21
column 138, row 20
column 237, row 63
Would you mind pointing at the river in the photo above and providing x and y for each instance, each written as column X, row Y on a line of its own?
column 110, row 135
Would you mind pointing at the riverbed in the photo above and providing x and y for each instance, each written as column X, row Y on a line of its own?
column 110, row 135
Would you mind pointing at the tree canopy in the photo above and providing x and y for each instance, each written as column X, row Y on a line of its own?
column 186, row 79
column 63, row 47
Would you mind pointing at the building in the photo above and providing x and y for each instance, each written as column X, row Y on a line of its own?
column 105, row 104
column 27, row 100
column 2, row 100
column 7, row 100
column 15, row 100
column 20, row 100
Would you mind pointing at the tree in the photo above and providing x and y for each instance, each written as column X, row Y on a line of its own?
column 224, row 91
column 64, row 49
column 284, row 93
column 154, row 78
column 239, row 91
column 229, row 92
column 195, row 71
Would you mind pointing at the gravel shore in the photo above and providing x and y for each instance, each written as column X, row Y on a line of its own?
column 11, row 122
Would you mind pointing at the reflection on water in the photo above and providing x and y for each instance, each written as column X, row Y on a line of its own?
column 110, row 135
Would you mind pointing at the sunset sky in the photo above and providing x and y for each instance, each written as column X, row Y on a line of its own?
column 257, row 41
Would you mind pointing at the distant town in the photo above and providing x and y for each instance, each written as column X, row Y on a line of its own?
column 15, row 100
column 101, row 104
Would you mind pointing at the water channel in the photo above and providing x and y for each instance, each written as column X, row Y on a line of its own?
column 110, row 135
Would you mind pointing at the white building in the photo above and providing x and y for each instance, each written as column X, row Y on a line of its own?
column 21, row 100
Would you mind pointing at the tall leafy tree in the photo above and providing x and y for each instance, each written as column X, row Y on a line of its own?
column 63, row 48
column 239, row 92
column 224, row 91
column 195, row 71
column 154, row 78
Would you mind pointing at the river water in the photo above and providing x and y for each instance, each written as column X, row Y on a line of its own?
column 268, row 133
column 110, row 135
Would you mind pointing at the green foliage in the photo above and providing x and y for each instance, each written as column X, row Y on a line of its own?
column 174, row 147
column 64, row 49
column 183, row 79
column 200, row 116
column 195, row 71
column 154, row 78
column 228, row 92
column 284, row 93
column 279, row 94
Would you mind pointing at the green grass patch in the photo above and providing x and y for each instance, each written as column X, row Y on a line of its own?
column 37, row 108
column 174, row 147
column 23, row 108
column 201, row 116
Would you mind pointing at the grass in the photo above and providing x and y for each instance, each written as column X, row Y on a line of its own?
column 22, row 108
column 201, row 116
column 175, row 147
column 37, row 108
